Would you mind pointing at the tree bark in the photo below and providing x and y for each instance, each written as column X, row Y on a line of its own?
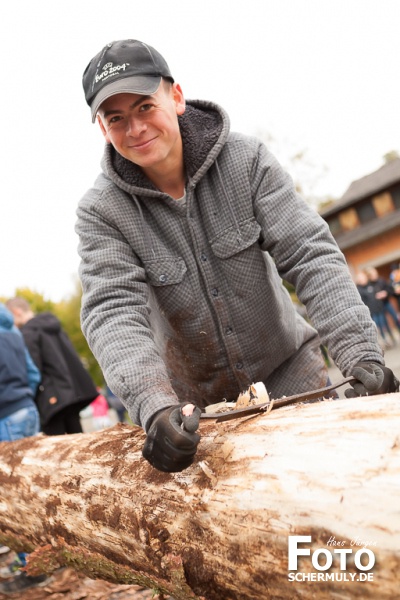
column 220, row 529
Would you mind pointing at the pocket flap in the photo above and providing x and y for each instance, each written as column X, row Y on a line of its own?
column 165, row 271
column 232, row 241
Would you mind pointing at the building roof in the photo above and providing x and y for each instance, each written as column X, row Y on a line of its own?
column 349, row 239
column 369, row 185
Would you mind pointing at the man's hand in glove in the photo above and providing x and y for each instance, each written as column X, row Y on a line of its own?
column 372, row 379
column 172, row 441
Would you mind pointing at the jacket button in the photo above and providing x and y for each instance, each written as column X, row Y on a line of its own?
column 163, row 278
column 239, row 365
column 203, row 257
column 214, row 292
column 229, row 331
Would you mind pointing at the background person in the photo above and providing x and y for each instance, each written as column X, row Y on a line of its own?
column 19, row 379
column 368, row 293
column 384, row 291
column 66, row 387
column 395, row 280
column 19, row 418
column 97, row 413
column 184, row 240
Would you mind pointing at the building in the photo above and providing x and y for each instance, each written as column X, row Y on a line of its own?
column 366, row 220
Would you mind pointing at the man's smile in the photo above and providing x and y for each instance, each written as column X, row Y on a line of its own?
column 142, row 145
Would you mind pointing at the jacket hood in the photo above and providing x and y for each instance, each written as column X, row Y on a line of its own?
column 204, row 128
column 45, row 322
column 6, row 317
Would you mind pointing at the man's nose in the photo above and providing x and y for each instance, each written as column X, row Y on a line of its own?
column 135, row 126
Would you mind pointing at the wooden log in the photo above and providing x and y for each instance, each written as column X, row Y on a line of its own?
column 220, row 529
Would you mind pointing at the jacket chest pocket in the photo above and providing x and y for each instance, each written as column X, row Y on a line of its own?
column 171, row 286
column 241, row 257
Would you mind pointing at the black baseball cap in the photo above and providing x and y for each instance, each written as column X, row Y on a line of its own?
column 125, row 66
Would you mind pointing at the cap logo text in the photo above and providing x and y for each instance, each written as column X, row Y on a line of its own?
column 109, row 70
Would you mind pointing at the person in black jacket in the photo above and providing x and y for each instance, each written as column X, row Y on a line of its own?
column 384, row 291
column 370, row 296
column 66, row 387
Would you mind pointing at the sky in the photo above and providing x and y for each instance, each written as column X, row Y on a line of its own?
column 318, row 78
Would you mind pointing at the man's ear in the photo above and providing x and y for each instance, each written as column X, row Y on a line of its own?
column 103, row 129
column 179, row 99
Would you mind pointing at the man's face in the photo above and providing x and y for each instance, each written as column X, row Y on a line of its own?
column 144, row 129
column 19, row 316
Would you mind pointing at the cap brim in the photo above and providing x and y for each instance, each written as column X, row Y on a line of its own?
column 127, row 85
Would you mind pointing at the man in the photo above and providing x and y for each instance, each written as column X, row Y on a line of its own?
column 66, row 387
column 184, row 239
column 384, row 292
column 370, row 296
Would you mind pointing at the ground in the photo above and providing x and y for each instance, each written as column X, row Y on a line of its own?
column 67, row 584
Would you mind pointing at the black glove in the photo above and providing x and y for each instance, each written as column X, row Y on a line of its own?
column 373, row 379
column 171, row 441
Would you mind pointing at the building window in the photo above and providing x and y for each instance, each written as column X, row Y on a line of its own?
column 349, row 219
column 366, row 212
column 383, row 204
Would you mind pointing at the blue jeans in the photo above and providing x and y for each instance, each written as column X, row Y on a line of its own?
column 382, row 324
column 391, row 311
column 23, row 423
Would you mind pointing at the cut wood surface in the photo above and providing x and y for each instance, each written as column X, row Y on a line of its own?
column 220, row 529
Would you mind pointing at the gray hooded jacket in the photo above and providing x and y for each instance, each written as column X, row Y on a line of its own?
column 184, row 301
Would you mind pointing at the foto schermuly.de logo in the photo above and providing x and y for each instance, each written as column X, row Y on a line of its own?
column 338, row 554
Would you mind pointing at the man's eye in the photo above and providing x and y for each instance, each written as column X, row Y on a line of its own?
column 145, row 107
column 114, row 119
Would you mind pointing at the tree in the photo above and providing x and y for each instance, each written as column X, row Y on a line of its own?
column 68, row 311
column 390, row 156
column 221, row 528
column 303, row 169
column 36, row 300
